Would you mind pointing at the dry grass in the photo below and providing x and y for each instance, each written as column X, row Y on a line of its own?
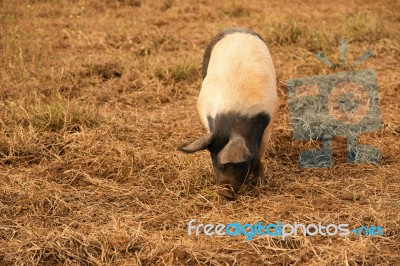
column 95, row 96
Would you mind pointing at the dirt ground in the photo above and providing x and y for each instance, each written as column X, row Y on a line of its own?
column 95, row 97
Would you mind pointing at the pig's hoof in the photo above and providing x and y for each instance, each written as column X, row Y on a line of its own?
column 227, row 192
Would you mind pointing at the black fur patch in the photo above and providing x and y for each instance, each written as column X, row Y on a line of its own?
column 250, row 127
column 216, row 39
column 210, row 123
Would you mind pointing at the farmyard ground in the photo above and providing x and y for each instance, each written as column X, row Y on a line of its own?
column 95, row 96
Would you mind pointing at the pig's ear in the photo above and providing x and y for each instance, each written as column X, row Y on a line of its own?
column 199, row 144
column 235, row 151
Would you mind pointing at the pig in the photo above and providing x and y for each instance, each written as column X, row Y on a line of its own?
column 237, row 105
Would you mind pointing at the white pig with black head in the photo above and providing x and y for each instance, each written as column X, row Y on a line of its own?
column 237, row 104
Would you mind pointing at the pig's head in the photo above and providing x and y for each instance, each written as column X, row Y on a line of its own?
column 234, row 149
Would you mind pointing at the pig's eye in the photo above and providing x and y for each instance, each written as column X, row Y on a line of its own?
column 223, row 166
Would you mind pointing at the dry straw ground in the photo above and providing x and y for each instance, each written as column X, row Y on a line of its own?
column 95, row 96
